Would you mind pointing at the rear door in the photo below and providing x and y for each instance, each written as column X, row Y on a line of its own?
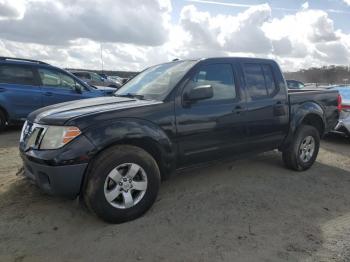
column 20, row 93
column 58, row 87
column 267, row 116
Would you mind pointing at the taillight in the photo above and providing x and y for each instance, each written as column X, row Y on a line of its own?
column 340, row 107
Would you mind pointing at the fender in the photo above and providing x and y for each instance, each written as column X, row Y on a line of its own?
column 133, row 129
column 297, row 115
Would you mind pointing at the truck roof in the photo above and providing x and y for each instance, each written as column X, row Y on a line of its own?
column 249, row 59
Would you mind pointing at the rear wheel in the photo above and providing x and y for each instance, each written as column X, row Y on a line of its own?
column 2, row 120
column 122, row 184
column 303, row 151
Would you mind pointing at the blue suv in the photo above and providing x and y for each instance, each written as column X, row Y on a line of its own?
column 26, row 85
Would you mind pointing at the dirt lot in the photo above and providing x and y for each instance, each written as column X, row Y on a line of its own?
column 246, row 210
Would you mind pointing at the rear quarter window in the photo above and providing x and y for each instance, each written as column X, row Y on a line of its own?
column 13, row 74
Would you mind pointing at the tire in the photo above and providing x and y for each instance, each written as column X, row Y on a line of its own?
column 299, row 155
column 118, row 173
column 2, row 120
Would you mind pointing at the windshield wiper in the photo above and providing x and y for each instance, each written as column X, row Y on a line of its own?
column 131, row 95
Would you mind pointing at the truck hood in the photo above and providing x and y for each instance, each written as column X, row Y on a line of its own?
column 59, row 114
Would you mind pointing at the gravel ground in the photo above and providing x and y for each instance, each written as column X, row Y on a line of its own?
column 246, row 210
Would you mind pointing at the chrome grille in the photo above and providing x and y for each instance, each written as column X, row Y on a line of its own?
column 32, row 135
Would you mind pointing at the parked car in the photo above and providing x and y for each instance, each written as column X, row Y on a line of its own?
column 343, row 125
column 26, row 85
column 293, row 84
column 113, row 152
column 119, row 80
column 95, row 79
column 103, row 75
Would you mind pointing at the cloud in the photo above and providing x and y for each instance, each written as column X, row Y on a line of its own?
column 238, row 5
column 305, row 5
column 347, row 2
column 61, row 21
column 133, row 41
column 308, row 38
column 221, row 32
column 11, row 9
column 313, row 25
column 333, row 52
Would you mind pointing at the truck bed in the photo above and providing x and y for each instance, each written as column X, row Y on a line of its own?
column 324, row 98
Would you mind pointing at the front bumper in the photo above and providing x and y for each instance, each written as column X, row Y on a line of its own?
column 62, row 181
column 61, row 171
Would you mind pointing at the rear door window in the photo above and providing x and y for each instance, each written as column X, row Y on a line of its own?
column 255, row 81
column 67, row 81
column 49, row 77
column 269, row 80
column 13, row 74
column 53, row 78
column 260, row 81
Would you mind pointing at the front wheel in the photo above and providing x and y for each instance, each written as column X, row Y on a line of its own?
column 303, row 151
column 122, row 184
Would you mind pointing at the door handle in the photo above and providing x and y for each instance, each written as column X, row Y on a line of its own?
column 279, row 109
column 238, row 110
column 48, row 93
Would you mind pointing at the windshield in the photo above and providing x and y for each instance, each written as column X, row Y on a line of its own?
column 157, row 81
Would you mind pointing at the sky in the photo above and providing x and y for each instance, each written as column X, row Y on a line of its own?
column 135, row 34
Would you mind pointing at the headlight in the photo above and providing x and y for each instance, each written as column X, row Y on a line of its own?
column 57, row 136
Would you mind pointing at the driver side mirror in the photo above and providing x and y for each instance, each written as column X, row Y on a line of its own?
column 199, row 93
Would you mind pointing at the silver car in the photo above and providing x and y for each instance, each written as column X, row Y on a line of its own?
column 343, row 125
column 94, row 79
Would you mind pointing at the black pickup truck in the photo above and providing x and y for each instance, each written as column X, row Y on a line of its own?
column 112, row 152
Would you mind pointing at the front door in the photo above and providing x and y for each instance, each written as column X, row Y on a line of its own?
column 209, row 127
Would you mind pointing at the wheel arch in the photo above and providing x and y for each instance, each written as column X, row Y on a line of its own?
column 316, row 121
column 308, row 113
column 148, row 144
column 140, row 133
